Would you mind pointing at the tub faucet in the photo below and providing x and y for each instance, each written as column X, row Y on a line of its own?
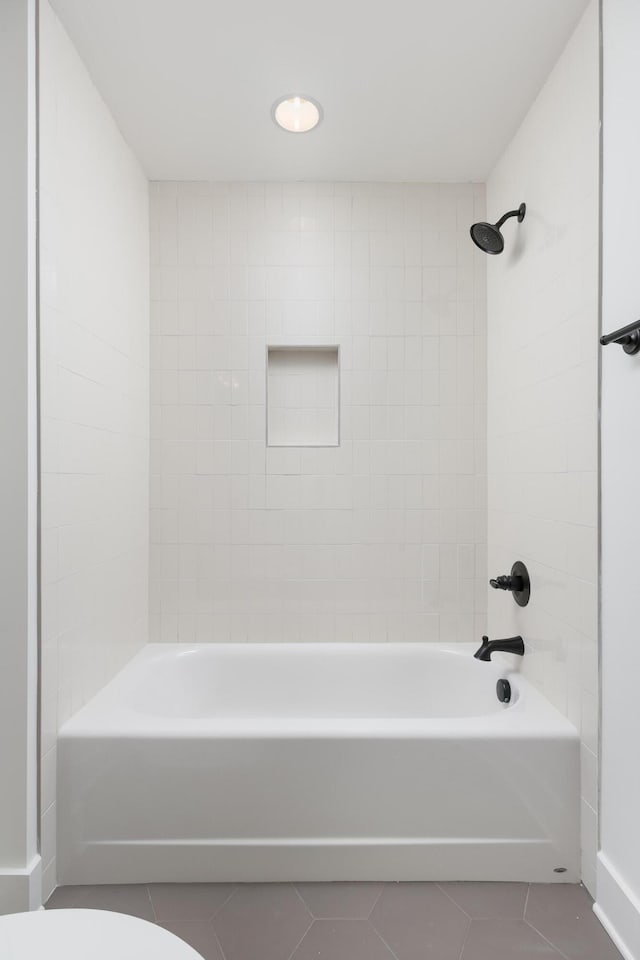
column 510, row 645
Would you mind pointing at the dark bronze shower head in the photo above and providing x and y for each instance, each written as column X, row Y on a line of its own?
column 488, row 237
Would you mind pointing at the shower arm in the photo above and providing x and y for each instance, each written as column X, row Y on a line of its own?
column 507, row 216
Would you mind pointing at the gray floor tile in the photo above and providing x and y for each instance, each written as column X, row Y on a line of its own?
column 418, row 922
column 340, row 899
column 407, row 921
column 262, row 922
column 506, row 940
column 563, row 914
column 131, row 898
column 200, row 936
column 188, row 901
column 342, row 938
column 484, row 901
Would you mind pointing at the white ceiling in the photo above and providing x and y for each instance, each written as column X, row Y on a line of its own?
column 411, row 89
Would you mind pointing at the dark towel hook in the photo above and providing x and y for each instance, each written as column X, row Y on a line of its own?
column 628, row 337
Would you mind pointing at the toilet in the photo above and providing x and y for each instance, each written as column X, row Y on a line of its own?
column 78, row 934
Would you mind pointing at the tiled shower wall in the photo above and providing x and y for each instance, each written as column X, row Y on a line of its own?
column 543, row 396
column 380, row 538
column 94, row 328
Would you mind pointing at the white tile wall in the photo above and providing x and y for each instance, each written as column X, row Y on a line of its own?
column 94, row 332
column 381, row 537
column 543, row 395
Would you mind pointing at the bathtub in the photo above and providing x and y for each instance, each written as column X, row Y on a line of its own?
column 254, row 762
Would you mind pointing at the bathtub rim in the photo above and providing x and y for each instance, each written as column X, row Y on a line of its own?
column 107, row 715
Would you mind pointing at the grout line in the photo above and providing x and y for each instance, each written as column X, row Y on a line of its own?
column 526, row 902
column 153, row 909
column 375, row 930
column 466, row 938
column 223, row 904
column 303, row 901
column 217, row 939
column 454, row 902
column 313, row 920
column 377, row 900
column 546, row 939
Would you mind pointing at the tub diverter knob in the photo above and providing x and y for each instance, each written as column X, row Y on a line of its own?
column 517, row 582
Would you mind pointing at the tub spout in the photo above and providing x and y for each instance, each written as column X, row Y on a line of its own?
column 510, row 645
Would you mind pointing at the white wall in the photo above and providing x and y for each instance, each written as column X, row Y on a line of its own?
column 19, row 862
column 381, row 538
column 543, row 395
column 619, row 858
column 94, row 398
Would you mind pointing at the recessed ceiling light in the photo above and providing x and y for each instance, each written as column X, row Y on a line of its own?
column 297, row 114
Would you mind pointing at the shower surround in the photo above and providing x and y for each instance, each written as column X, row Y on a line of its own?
column 380, row 538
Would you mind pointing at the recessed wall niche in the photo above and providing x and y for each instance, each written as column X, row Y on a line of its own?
column 303, row 396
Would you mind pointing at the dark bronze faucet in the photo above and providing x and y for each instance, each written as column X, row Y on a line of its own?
column 510, row 645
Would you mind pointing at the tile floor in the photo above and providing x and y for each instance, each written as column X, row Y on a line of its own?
column 364, row 921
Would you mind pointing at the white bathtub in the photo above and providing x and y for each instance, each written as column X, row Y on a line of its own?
column 316, row 762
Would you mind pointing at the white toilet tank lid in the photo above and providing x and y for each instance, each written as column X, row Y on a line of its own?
column 78, row 934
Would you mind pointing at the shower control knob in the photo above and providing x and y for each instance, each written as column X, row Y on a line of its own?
column 517, row 582
column 506, row 582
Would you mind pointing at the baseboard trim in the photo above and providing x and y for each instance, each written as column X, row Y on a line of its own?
column 21, row 889
column 618, row 909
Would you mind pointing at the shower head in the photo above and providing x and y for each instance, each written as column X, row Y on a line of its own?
column 488, row 237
